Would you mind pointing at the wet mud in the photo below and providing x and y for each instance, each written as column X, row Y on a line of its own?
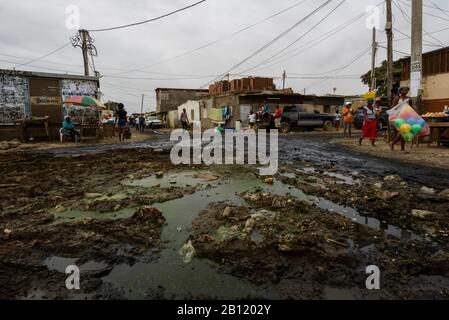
column 125, row 216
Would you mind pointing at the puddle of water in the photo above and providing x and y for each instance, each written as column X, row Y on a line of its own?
column 344, row 179
column 373, row 223
column 77, row 215
column 200, row 277
column 182, row 179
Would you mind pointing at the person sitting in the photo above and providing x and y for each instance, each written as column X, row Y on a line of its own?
column 68, row 132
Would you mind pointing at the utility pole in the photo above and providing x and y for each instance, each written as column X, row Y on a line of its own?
column 373, row 61
column 284, row 75
column 416, row 58
column 141, row 106
column 389, row 31
column 84, row 36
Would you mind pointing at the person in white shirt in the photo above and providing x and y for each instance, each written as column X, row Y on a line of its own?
column 337, row 119
column 252, row 120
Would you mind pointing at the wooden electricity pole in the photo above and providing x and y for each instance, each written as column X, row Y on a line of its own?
column 416, row 58
column 389, row 31
column 284, row 75
column 84, row 36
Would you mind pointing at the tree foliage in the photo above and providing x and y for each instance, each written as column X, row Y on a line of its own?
column 381, row 77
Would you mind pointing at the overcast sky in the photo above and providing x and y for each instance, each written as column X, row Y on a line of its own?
column 30, row 29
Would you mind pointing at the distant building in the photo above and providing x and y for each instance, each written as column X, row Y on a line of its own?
column 169, row 99
column 209, row 110
column 435, row 84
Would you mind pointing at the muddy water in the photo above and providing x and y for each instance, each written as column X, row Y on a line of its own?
column 201, row 277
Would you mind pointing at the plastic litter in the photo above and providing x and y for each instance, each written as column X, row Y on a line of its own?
column 187, row 251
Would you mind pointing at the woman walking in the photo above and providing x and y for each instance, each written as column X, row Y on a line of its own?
column 369, row 129
column 121, row 123
column 348, row 119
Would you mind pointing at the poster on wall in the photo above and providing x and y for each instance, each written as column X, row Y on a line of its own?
column 14, row 99
column 72, row 88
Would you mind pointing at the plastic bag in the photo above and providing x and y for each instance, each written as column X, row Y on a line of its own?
column 187, row 252
column 408, row 122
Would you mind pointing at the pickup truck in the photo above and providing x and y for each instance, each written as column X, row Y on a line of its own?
column 298, row 117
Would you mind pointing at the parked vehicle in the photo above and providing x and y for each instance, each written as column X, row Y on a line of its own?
column 298, row 117
column 359, row 118
column 153, row 123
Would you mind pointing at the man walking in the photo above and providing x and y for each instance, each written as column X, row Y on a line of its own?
column 142, row 123
column 184, row 120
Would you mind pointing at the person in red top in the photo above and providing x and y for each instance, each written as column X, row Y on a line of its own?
column 277, row 117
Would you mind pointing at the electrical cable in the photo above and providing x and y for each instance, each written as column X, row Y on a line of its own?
column 42, row 57
column 408, row 19
column 214, row 41
column 343, row 67
column 314, row 42
column 147, row 21
column 275, row 39
column 297, row 39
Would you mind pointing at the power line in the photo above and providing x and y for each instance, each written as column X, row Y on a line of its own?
column 275, row 39
column 408, row 19
column 297, row 39
column 159, row 79
column 149, row 20
column 42, row 57
column 314, row 42
column 343, row 67
column 215, row 41
column 443, row 11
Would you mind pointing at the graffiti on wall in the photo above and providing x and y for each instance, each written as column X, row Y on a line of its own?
column 14, row 101
column 78, row 88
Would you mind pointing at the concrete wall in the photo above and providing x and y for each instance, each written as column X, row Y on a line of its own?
column 172, row 119
column 435, row 91
column 171, row 99
column 14, row 99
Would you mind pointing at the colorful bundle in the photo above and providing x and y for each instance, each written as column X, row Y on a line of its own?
column 408, row 123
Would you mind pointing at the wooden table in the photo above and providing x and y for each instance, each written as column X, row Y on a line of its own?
column 23, row 124
column 82, row 128
column 436, row 131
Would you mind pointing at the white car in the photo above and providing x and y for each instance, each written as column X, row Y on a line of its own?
column 154, row 122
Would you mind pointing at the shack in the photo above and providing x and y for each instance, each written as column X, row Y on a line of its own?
column 38, row 95
column 169, row 99
column 231, row 106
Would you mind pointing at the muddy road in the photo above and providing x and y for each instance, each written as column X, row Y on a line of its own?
column 139, row 227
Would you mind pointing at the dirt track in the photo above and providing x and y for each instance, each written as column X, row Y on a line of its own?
column 310, row 235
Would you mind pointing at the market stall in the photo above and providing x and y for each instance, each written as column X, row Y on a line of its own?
column 86, row 114
column 439, row 127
